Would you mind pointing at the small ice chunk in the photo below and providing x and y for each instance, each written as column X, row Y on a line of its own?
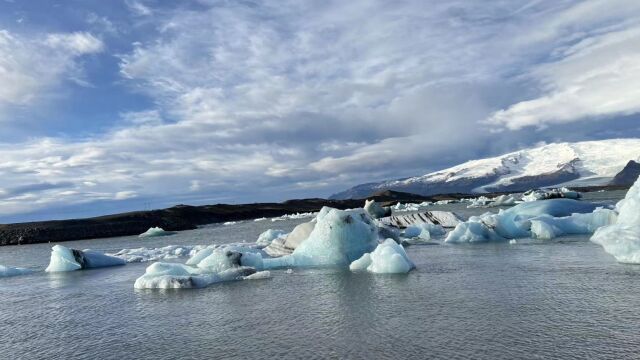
column 387, row 258
column 259, row 275
column 6, row 271
column 375, row 210
column 513, row 242
column 65, row 259
column 227, row 223
column 155, row 231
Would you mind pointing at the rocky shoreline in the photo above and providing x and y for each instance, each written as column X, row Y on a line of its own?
column 186, row 217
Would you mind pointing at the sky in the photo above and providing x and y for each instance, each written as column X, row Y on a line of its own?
column 110, row 106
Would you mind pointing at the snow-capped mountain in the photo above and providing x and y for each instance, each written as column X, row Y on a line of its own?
column 581, row 163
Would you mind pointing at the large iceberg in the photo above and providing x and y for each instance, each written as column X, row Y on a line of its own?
column 338, row 238
column 387, row 258
column 155, row 231
column 65, row 259
column 622, row 238
column 515, row 222
column 6, row 271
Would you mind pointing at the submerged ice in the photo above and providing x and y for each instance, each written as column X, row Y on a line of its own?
column 6, row 271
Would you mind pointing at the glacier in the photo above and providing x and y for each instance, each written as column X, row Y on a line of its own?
column 65, row 259
column 621, row 239
column 388, row 258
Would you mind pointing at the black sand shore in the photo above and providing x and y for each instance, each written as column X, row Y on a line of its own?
column 186, row 217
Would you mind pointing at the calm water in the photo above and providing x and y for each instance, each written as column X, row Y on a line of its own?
column 564, row 299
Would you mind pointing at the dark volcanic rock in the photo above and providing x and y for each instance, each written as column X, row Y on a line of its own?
column 628, row 175
column 180, row 217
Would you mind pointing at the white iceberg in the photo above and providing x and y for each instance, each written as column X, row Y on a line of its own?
column 268, row 236
column 144, row 254
column 294, row 216
column 387, row 258
column 6, row 271
column 549, row 227
column 622, row 238
column 65, row 259
column 514, row 223
column 423, row 231
column 155, row 231
column 338, row 238
column 501, row 200
column 375, row 210
column 177, row 276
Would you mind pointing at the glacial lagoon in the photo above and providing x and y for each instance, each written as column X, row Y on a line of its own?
column 565, row 298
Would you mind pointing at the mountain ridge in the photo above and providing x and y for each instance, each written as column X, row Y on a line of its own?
column 557, row 164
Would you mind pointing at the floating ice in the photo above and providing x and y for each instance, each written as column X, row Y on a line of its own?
column 268, row 236
column 548, row 227
column 65, row 259
column 411, row 207
column 6, row 271
column 286, row 245
column 424, row 231
column 229, row 223
column 387, row 258
column 483, row 201
column 177, row 276
column 338, row 238
column 375, row 210
column 294, row 216
column 515, row 222
column 144, row 254
column 535, row 195
column 260, row 219
column 259, row 275
column 155, row 231
column 622, row 239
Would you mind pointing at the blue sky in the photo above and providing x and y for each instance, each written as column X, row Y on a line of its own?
column 109, row 106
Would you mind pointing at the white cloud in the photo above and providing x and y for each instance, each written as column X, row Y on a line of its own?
column 594, row 77
column 271, row 101
column 30, row 66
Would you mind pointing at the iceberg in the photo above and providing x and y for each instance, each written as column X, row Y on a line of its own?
column 6, row 271
column 178, row 276
column 483, row 201
column 287, row 244
column 209, row 265
column 338, row 238
column 375, row 210
column 144, row 254
column 294, row 216
column 539, row 194
column 622, row 238
column 387, row 258
column 548, row 227
column 423, row 231
column 65, row 259
column 155, row 231
column 268, row 236
column 515, row 223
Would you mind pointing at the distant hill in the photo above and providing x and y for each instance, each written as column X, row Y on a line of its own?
column 628, row 175
column 588, row 163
